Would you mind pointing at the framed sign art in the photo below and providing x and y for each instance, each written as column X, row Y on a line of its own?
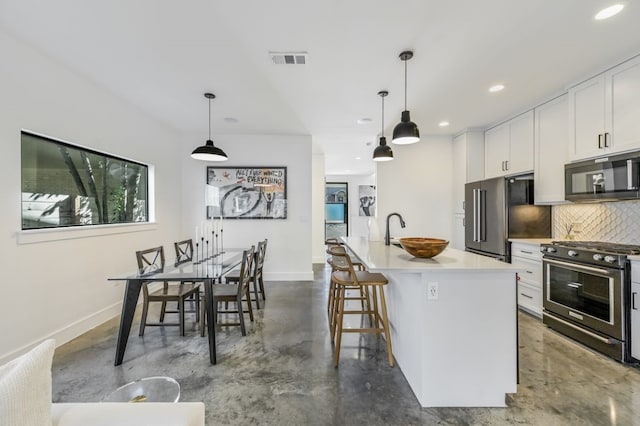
column 246, row 192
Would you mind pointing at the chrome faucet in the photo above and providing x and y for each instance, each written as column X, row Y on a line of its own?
column 387, row 238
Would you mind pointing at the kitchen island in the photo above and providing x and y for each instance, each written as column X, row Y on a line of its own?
column 453, row 323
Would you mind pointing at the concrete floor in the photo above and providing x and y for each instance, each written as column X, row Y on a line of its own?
column 282, row 373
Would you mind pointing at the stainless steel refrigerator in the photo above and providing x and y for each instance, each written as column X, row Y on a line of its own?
column 498, row 209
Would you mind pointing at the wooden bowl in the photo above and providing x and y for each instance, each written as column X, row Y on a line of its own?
column 423, row 247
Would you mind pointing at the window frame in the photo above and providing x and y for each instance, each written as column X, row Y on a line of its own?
column 47, row 233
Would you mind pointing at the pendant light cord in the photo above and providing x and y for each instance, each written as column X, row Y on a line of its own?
column 210, row 116
column 382, row 124
column 405, row 84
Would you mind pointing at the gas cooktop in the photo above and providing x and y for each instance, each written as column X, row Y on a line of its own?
column 614, row 248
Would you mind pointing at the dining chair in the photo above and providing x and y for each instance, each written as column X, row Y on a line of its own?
column 236, row 293
column 256, row 277
column 151, row 260
column 184, row 253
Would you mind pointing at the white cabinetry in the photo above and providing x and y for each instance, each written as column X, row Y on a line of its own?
column 551, row 128
column 509, row 147
column 468, row 151
column 528, row 259
column 635, row 309
column 603, row 112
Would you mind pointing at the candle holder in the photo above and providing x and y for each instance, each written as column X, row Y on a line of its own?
column 221, row 241
column 195, row 255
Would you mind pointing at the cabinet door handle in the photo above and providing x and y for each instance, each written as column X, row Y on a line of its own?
column 526, row 295
column 600, row 141
column 633, row 300
column 524, row 251
column 506, row 165
column 502, row 166
column 463, row 205
column 607, row 137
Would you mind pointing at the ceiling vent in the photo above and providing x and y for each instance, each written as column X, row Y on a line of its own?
column 289, row 58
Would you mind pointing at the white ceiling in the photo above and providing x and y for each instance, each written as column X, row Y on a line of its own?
column 162, row 55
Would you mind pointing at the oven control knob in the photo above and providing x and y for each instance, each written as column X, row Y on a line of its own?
column 572, row 253
column 543, row 249
column 610, row 259
column 551, row 250
column 598, row 257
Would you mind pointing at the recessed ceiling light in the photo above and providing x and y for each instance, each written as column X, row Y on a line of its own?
column 496, row 88
column 609, row 11
column 230, row 120
column 443, row 124
column 364, row 120
column 358, row 158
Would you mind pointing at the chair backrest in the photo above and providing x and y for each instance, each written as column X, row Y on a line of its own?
column 340, row 259
column 261, row 252
column 184, row 250
column 150, row 259
column 245, row 270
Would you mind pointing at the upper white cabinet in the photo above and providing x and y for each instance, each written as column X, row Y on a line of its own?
column 551, row 128
column 509, row 147
column 604, row 111
column 468, row 150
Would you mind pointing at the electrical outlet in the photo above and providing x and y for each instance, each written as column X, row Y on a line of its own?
column 432, row 291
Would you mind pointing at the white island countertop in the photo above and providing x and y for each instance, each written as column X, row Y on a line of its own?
column 378, row 257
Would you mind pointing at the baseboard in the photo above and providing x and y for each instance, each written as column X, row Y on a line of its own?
column 69, row 332
column 288, row 276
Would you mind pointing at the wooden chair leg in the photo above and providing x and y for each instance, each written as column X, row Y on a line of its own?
column 339, row 318
column 143, row 319
column 181, row 315
column 255, row 292
column 241, row 317
column 163, row 308
column 262, row 288
column 203, row 310
column 248, row 303
column 385, row 324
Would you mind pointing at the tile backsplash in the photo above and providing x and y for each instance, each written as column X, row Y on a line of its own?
column 617, row 222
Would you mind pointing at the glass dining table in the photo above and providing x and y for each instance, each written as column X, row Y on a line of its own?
column 207, row 271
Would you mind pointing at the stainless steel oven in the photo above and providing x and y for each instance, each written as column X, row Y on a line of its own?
column 586, row 288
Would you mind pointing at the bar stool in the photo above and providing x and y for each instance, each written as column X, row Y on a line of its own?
column 338, row 263
column 367, row 281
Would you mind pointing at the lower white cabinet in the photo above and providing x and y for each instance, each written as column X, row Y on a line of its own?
column 528, row 259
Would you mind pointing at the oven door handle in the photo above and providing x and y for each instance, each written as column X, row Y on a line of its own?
column 581, row 267
column 574, row 285
column 587, row 332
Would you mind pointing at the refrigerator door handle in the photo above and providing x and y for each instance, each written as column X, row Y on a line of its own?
column 482, row 234
column 475, row 215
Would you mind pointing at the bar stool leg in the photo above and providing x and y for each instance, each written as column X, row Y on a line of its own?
column 385, row 324
column 339, row 317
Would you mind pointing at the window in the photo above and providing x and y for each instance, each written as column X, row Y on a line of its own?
column 65, row 185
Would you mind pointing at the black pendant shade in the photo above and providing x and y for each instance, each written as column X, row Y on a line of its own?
column 405, row 132
column 209, row 152
column 383, row 151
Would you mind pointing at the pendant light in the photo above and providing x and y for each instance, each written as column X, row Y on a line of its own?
column 406, row 131
column 209, row 152
column 383, row 151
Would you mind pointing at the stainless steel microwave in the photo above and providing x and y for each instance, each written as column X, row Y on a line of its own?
column 616, row 177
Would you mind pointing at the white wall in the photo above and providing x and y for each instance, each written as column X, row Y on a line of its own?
column 417, row 184
column 59, row 288
column 317, row 207
column 358, row 225
column 290, row 239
